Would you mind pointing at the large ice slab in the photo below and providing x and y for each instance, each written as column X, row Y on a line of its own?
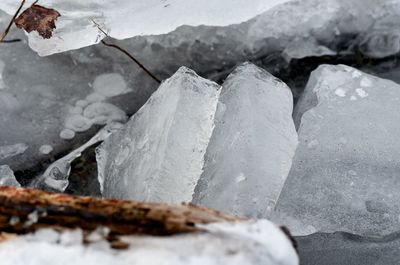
column 159, row 155
column 123, row 19
column 345, row 174
column 251, row 149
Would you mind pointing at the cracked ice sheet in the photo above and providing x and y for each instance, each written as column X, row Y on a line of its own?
column 124, row 19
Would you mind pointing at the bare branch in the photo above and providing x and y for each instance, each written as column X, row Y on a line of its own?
column 11, row 41
column 126, row 53
column 11, row 22
column 26, row 210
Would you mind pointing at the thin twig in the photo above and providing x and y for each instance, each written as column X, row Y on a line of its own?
column 11, row 41
column 132, row 58
column 126, row 53
column 12, row 21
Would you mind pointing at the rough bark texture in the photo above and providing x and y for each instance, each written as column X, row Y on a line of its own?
column 26, row 210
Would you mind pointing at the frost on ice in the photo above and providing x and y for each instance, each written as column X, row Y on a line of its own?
column 249, row 243
column 159, row 154
column 123, row 19
column 345, row 174
column 251, row 148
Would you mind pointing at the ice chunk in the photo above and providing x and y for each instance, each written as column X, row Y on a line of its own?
column 345, row 174
column 251, row 149
column 159, row 155
column 76, row 29
column 299, row 49
column 55, row 178
column 248, row 243
column 383, row 39
column 7, row 177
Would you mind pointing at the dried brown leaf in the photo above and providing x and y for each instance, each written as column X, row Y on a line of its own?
column 40, row 19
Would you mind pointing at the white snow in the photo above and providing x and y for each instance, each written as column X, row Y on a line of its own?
column 340, row 92
column 361, row 93
column 250, row 243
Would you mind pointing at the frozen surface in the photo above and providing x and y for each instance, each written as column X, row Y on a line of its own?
column 251, row 149
column 345, row 174
column 290, row 31
column 7, row 177
column 44, row 101
column 159, row 154
column 298, row 28
column 123, row 19
column 253, row 243
column 344, row 248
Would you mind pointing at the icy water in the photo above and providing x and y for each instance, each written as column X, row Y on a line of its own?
column 50, row 106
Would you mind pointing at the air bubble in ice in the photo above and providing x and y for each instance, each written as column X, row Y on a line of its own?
column 103, row 113
column 78, row 123
column 110, row 85
column 46, row 149
column 67, row 134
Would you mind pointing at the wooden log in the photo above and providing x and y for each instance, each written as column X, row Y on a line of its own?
column 26, row 210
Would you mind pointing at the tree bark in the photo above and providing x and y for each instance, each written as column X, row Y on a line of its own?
column 26, row 210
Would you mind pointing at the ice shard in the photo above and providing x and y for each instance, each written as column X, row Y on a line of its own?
column 345, row 174
column 246, row 243
column 7, row 177
column 159, row 154
column 251, row 149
